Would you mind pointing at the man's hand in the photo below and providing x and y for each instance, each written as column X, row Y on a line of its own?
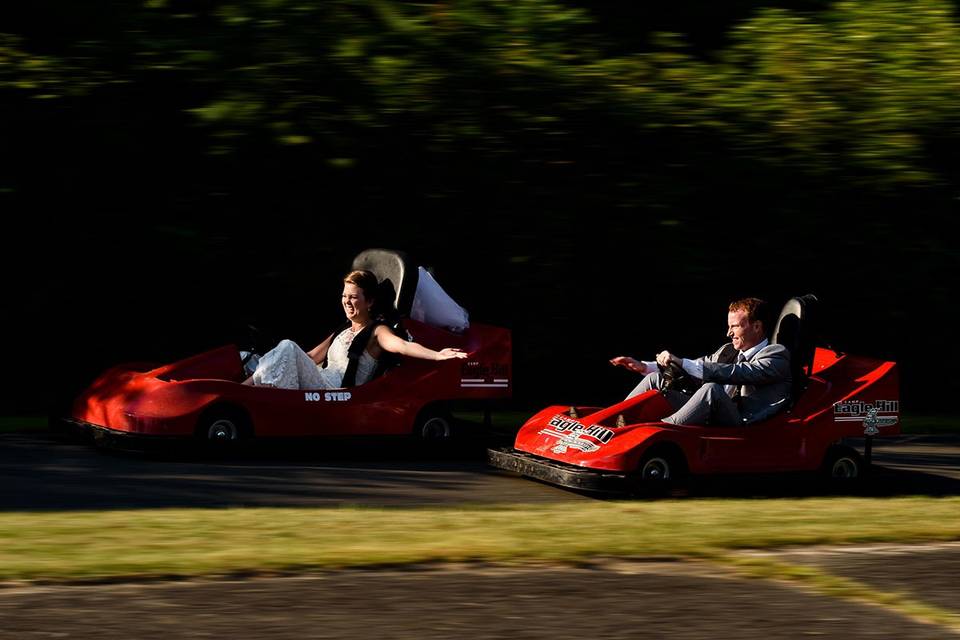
column 628, row 363
column 664, row 358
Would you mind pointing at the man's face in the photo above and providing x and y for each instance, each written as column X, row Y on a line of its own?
column 743, row 333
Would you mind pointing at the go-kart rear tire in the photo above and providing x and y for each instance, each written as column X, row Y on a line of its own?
column 842, row 468
column 435, row 428
column 434, row 432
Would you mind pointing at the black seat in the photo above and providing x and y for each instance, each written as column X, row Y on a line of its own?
column 397, row 276
column 795, row 329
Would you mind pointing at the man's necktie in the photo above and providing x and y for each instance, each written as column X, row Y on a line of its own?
column 733, row 390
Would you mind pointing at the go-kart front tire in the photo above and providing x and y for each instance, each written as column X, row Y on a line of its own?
column 659, row 471
column 222, row 430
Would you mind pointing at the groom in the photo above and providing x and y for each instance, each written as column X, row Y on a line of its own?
column 746, row 380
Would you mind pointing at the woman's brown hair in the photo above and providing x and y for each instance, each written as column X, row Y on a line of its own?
column 365, row 280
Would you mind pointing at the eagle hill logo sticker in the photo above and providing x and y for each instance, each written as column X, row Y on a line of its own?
column 873, row 415
column 568, row 434
column 870, row 423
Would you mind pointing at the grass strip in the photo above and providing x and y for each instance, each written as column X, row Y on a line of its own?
column 66, row 546
column 9, row 424
column 510, row 421
column 824, row 583
column 940, row 425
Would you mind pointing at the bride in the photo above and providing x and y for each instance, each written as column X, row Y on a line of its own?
column 329, row 365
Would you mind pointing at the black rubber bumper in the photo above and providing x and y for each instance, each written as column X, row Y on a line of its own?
column 558, row 473
column 107, row 438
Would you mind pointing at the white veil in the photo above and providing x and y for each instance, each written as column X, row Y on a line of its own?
column 432, row 305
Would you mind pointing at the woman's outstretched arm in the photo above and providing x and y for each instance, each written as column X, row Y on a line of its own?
column 394, row 344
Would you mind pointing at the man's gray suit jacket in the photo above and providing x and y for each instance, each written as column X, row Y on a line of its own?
column 764, row 380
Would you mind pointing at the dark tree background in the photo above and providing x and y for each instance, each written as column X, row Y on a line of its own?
column 601, row 177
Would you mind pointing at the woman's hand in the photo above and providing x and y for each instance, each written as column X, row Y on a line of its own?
column 450, row 353
column 628, row 363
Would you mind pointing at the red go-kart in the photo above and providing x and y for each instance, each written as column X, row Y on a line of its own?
column 626, row 446
column 201, row 396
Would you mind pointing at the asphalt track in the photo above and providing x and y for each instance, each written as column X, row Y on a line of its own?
column 40, row 471
column 45, row 472
column 680, row 600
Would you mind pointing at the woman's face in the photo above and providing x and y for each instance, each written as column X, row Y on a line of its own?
column 355, row 304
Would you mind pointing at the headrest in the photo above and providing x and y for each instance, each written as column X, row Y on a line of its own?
column 793, row 324
column 396, row 273
column 796, row 330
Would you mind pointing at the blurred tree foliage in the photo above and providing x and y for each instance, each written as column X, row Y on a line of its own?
column 862, row 87
column 605, row 125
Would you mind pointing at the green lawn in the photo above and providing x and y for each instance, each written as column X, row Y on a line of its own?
column 930, row 424
column 23, row 423
column 510, row 421
column 165, row 542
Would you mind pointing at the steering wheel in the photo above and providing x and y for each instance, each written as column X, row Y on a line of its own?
column 676, row 379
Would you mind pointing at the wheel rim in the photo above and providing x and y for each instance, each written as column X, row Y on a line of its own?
column 222, row 430
column 435, row 429
column 844, row 468
column 655, row 470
